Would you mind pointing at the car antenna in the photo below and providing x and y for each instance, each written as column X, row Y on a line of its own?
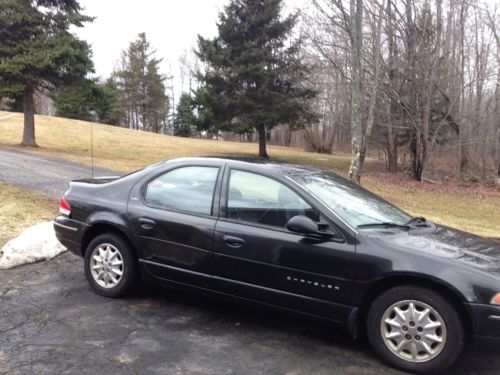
column 92, row 150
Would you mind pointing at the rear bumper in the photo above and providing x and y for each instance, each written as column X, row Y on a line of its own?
column 485, row 324
column 70, row 233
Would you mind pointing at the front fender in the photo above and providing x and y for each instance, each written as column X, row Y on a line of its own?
column 376, row 263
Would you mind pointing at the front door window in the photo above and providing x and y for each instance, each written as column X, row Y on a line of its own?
column 262, row 200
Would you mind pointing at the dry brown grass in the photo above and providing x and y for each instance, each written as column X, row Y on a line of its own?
column 124, row 150
column 21, row 208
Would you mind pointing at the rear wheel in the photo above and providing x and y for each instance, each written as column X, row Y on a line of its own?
column 110, row 265
column 415, row 330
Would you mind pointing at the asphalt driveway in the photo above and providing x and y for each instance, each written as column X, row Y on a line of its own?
column 45, row 175
column 52, row 323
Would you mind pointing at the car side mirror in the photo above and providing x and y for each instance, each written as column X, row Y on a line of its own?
column 303, row 225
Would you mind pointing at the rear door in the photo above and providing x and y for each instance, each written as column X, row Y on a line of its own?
column 256, row 257
column 172, row 216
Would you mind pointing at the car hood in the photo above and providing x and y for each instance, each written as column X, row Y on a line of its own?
column 448, row 243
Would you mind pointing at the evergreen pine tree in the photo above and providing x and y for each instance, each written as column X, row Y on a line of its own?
column 38, row 50
column 185, row 121
column 253, row 75
column 88, row 100
column 142, row 89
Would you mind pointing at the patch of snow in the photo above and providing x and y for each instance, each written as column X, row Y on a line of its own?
column 34, row 244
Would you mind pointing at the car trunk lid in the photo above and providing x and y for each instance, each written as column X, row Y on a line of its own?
column 97, row 180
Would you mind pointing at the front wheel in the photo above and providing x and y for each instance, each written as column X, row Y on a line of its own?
column 110, row 265
column 415, row 330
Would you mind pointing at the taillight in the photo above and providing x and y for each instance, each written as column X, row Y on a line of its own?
column 64, row 207
column 496, row 299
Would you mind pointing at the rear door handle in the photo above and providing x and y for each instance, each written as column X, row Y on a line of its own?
column 234, row 241
column 147, row 224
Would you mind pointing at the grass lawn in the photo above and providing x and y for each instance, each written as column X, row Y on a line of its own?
column 22, row 208
column 125, row 150
column 472, row 209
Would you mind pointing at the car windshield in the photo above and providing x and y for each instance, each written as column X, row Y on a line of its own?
column 355, row 205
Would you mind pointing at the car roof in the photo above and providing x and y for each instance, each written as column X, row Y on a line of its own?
column 265, row 165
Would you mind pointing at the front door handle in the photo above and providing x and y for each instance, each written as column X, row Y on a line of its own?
column 234, row 241
column 147, row 224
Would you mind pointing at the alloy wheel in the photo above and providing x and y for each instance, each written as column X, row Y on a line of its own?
column 413, row 331
column 106, row 265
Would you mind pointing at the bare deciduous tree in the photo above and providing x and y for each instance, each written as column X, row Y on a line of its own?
column 417, row 74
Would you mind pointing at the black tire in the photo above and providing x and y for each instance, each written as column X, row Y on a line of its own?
column 128, row 267
column 452, row 335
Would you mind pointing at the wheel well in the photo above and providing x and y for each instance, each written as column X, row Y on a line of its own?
column 385, row 284
column 98, row 229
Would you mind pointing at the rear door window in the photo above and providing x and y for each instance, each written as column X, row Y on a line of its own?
column 188, row 189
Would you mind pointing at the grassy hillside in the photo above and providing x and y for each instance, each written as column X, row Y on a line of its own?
column 124, row 150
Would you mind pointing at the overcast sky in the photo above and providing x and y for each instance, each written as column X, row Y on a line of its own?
column 171, row 26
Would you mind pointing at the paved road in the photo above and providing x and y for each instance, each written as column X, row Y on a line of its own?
column 39, row 173
column 52, row 323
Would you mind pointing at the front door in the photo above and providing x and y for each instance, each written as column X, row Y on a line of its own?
column 173, row 222
column 256, row 257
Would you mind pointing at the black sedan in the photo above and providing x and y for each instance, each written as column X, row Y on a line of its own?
column 294, row 238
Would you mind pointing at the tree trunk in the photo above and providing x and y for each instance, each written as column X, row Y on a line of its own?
column 497, row 132
column 497, row 149
column 356, row 61
column 391, row 133
column 29, row 117
column 492, row 24
column 497, row 112
column 419, row 145
column 376, row 74
column 498, row 164
column 463, row 152
column 373, row 95
column 463, row 147
column 424, row 143
column 262, row 142
column 416, row 158
column 288, row 136
column 392, row 150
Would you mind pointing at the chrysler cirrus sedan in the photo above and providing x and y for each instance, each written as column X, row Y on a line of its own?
column 294, row 238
